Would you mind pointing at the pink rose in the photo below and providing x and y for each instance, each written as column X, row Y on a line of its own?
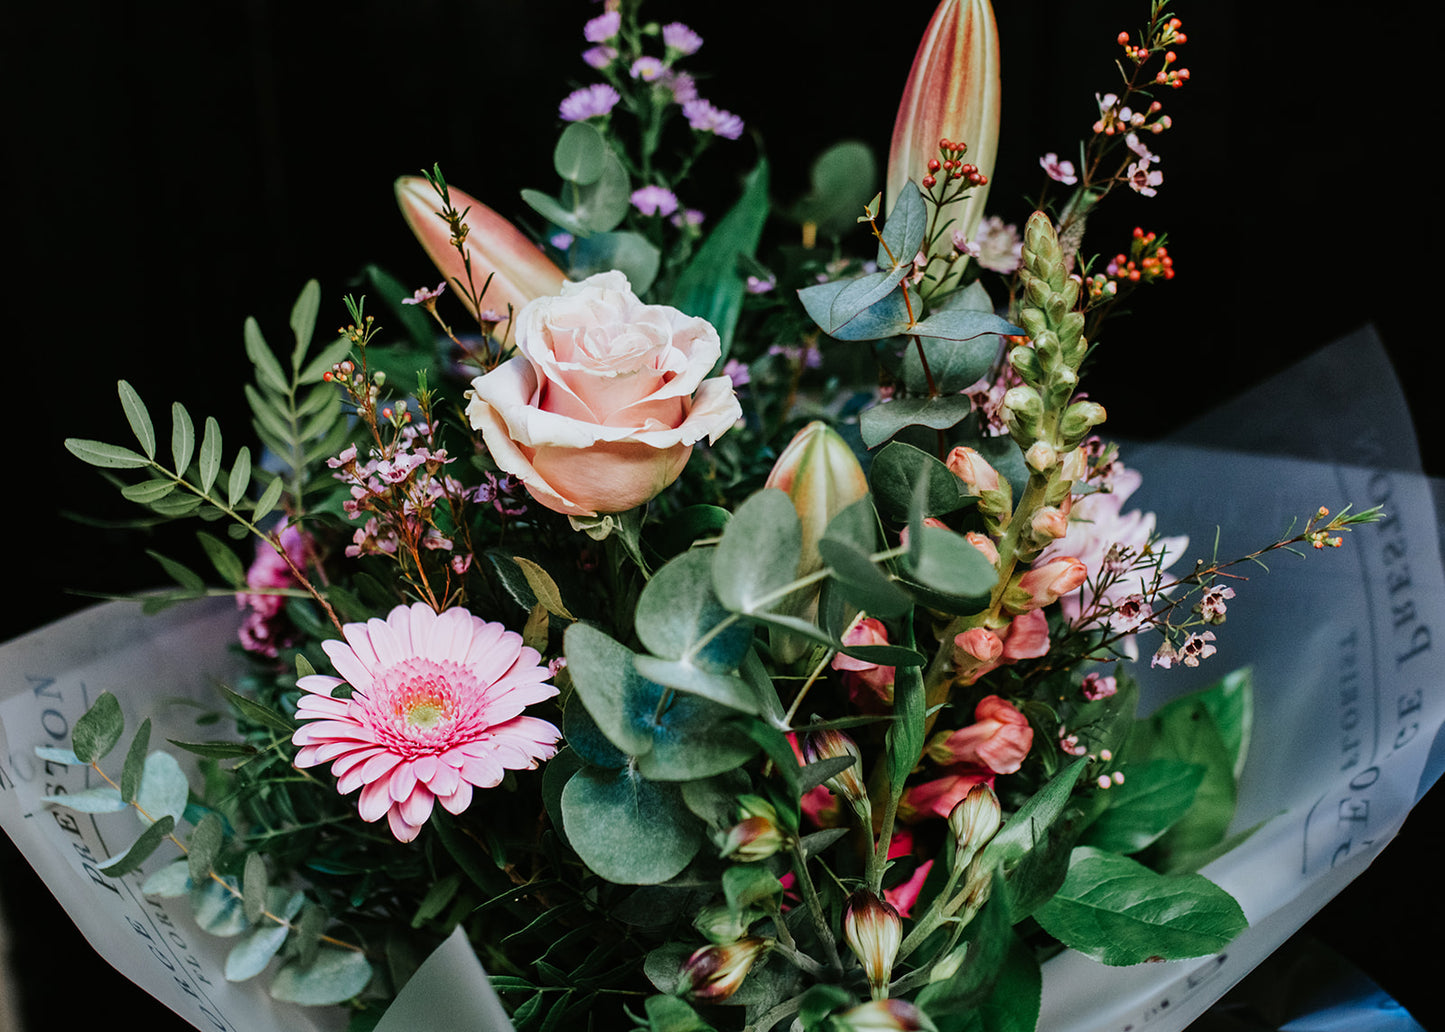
column 999, row 739
column 606, row 397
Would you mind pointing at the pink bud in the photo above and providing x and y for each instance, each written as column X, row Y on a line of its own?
column 984, row 544
column 999, row 739
column 1046, row 583
column 1050, row 523
column 716, row 972
column 979, row 644
column 973, row 469
column 874, row 931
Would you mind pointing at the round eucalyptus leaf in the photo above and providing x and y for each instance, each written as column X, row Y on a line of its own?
column 628, row 829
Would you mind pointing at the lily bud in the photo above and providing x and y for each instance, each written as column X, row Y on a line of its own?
column 1046, row 583
column 847, row 783
column 822, row 476
column 884, row 1016
column 519, row 269
column 973, row 822
column 716, row 972
column 953, row 93
column 874, row 932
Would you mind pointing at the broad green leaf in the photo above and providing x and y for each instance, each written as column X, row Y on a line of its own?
column 1153, row 796
column 1013, row 1006
column 223, row 559
column 140, row 850
column 1231, row 704
column 843, row 179
column 268, row 370
column 905, row 734
column 553, row 211
column 1184, row 731
column 986, row 944
column 679, row 617
column 240, row 478
column 163, row 788
column 268, row 500
column 53, row 755
column 580, row 154
column 746, row 885
column 632, row 254
column 587, row 740
column 216, row 907
column 895, row 473
column 670, row 1014
column 1028, row 823
column 886, row 317
column 725, row 689
column 758, row 555
column 437, row 898
column 183, row 437
column 712, row 285
column 1120, row 912
column 210, row 453
column 303, row 320
column 693, row 738
column 93, row 800
column 962, row 324
column 953, row 365
column 334, row 976
column 862, row 582
column 602, row 205
column 606, row 680
column 945, row 561
column 880, row 422
column 542, row 584
column 629, row 830
column 98, row 729
column 107, row 456
column 905, row 229
column 135, row 758
column 138, row 417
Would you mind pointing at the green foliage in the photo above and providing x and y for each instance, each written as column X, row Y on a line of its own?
column 98, row 730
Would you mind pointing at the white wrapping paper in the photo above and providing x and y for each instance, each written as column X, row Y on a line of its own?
column 1345, row 650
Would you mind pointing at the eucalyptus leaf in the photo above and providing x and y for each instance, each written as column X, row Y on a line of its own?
column 895, row 473
column 169, row 882
column 163, row 788
column 216, row 906
column 98, row 729
column 880, row 422
column 679, row 617
column 253, row 887
column 135, row 757
column 952, row 365
column 905, row 229
column 580, row 154
column 841, row 181
column 945, row 561
column 632, row 254
column 249, row 957
column 140, row 850
column 103, row 799
column 758, row 555
column 628, row 829
column 205, row 846
column 334, row 976
column 607, row 683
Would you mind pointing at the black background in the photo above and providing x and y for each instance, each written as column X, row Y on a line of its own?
column 175, row 168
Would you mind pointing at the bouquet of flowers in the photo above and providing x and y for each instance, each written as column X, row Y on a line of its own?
column 705, row 637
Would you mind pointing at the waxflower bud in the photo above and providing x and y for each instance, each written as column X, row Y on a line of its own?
column 874, row 931
column 973, row 822
column 716, row 972
column 884, row 1016
column 847, row 783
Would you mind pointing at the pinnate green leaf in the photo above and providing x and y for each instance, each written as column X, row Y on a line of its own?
column 183, row 437
column 210, row 453
column 138, row 417
column 240, row 478
column 303, row 320
column 106, row 456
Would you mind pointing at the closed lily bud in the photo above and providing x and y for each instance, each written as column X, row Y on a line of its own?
column 874, row 931
column 884, row 1016
column 1046, row 583
column 519, row 269
column 716, row 972
column 822, row 477
column 847, row 783
column 973, row 822
column 953, row 93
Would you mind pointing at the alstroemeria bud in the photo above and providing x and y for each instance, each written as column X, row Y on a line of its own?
column 847, row 783
column 822, row 476
column 757, row 835
column 884, row 1016
column 519, row 269
column 716, row 972
column 1046, row 583
column 973, row 822
column 953, row 93
column 874, row 932
column 998, row 739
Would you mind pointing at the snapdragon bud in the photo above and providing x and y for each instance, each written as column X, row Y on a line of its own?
column 1045, row 584
column 716, row 972
column 874, row 931
column 1079, row 419
column 1023, row 412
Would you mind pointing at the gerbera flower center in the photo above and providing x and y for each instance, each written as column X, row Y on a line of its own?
column 419, row 705
column 423, row 703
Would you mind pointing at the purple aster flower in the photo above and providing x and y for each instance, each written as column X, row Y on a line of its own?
column 705, row 118
column 679, row 38
column 599, row 57
column 688, row 217
column 588, row 102
column 603, row 27
column 654, row 200
column 682, row 85
column 646, row 68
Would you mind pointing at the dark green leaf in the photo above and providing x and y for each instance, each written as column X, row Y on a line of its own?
column 843, row 180
column 219, row 750
column 210, row 454
column 987, row 942
column 223, row 559
column 1013, row 1006
column 882, row 421
column 1029, row 822
column 580, row 154
column 1153, row 796
column 303, row 320
column 632, row 254
column 905, row 229
column 679, row 617
column 183, row 575
column 140, row 850
column 240, row 478
column 905, row 734
column 268, row 499
column 1120, row 912
column 98, row 729
column 255, row 711
column 607, row 681
column 268, row 370
column 945, row 561
column 954, row 365
column 895, row 473
column 135, row 759
column 183, row 437
column 107, row 456
column 148, row 492
column 629, row 830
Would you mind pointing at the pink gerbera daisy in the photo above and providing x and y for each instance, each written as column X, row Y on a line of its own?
column 435, row 709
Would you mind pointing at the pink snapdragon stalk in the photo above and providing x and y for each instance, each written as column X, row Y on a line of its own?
column 519, row 269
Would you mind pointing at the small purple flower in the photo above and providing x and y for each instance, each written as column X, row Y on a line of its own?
column 737, row 372
column 654, row 200
column 599, row 57
column 705, row 118
column 1097, row 686
column 682, row 85
column 1211, row 605
column 561, row 240
column 603, row 27
column 757, row 285
column 688, row 217
column 1196, row 647
column 679, row 38
column 1059, row 171
column 646, row 68
column 588, row 102
column 1142, row 179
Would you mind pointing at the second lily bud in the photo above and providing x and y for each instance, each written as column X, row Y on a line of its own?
column 874, row 932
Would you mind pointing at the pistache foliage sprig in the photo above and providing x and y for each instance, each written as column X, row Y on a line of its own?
column 717, row 638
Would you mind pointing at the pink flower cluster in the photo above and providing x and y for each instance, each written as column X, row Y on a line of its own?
column 265, row 630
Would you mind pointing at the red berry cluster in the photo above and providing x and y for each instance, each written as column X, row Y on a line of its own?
column 951, row 166
column 1148, row 260
column 1166, row 34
